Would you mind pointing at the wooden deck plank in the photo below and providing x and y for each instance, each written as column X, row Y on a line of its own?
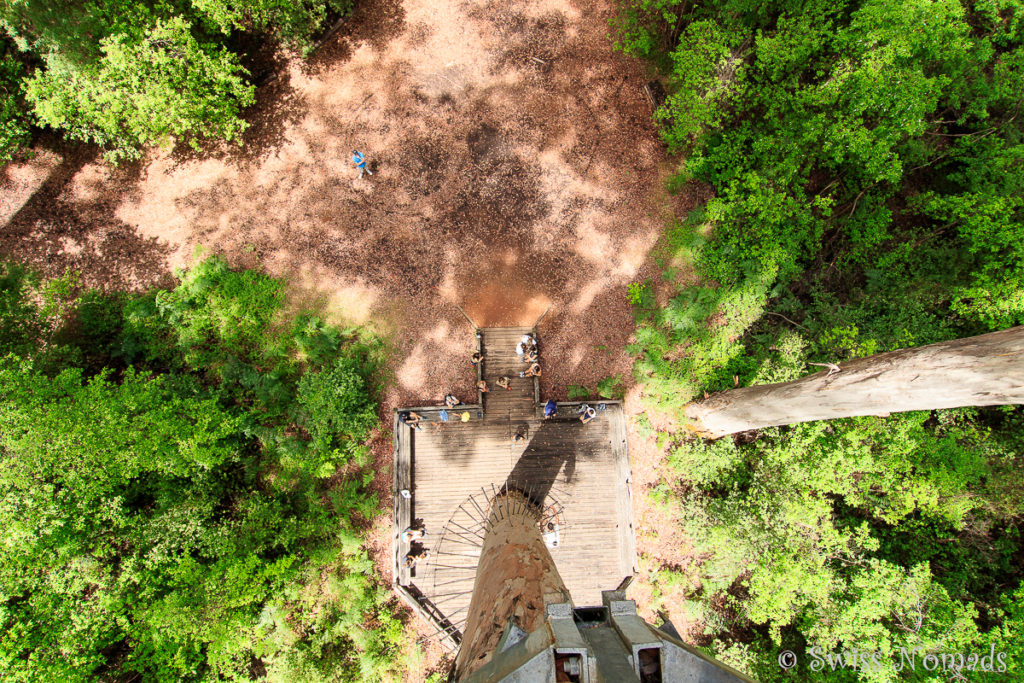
column 500, row 359
column 585, row 468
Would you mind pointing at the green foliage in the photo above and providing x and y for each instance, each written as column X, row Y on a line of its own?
column 293, row 21
column 32, row 313
column 334, row 407
column 578, row 392
column 637, row 293
column 128, row 75
column 810, row 123
column 14, row 124
column 216, row 310
column 645, row 27
column 610, row 387
column 707, row 74
column 864, row 158
column 153, row 90
column 167, row 519
column 806, row 521
column 22, row 327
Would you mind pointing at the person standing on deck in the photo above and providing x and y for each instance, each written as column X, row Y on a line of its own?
column 360, row 162
column 550, row 409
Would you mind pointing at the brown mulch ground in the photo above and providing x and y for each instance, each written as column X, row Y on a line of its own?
column 516, row 170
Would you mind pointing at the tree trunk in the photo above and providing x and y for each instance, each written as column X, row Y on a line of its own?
column 987, row 370
column 515, row 579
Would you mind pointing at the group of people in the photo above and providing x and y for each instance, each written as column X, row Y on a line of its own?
column 527, row 351
column 412, row 419
column 584, row 410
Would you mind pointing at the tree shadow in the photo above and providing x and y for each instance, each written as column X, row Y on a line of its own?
column 277, row 106
column 551, row 448
column 373, row 22
column 53, row 232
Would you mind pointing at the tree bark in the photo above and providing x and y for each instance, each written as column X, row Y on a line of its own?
column 515, row 579
column 986, row 370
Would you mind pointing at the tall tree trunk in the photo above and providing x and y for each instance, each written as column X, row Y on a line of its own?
column 515, row 579
column 986, row 370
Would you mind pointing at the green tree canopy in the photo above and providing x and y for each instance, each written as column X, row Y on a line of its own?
column 166, row 513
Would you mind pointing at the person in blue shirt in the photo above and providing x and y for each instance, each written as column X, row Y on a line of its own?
column 550, row 408
column 360, row 162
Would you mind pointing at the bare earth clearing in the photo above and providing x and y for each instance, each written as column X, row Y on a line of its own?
column 515, row 168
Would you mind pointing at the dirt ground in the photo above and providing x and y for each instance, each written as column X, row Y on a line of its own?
column 516, row 171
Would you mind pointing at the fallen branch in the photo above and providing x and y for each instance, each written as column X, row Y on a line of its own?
column 787, row 320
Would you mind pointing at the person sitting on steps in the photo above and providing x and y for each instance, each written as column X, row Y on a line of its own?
column 526, row 344
column 482, row 386
column 534, row 371
column 531, row 356
column 450, row 401
column 504, row 382
column 412, row 419
column 413, row 534
column 477, row 358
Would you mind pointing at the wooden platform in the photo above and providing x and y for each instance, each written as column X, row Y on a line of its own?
column 451, row 470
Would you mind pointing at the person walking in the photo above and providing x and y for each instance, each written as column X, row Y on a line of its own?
column 360, row 162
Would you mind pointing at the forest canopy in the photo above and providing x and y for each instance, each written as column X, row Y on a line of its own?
column 865, row 163
column 126, row 75
column 163, row 487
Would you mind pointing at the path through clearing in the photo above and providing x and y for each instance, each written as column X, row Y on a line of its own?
column 516, row 168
